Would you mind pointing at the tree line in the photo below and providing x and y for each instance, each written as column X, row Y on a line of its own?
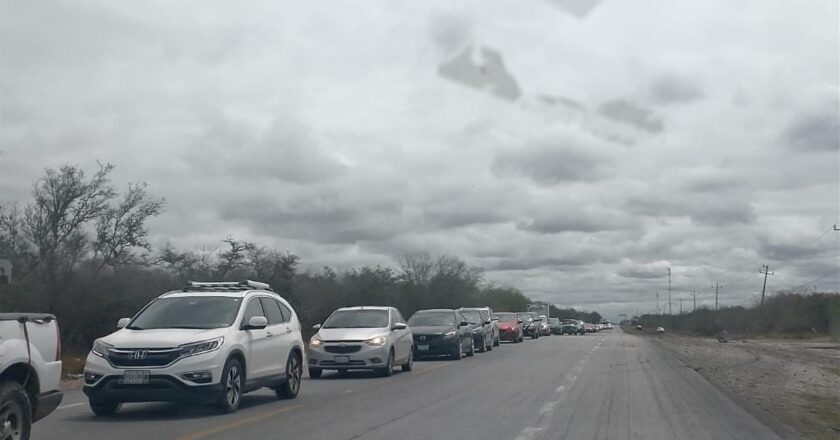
column 785, row 313
column 80, row 250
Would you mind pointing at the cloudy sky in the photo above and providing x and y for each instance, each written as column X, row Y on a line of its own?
column 575, row 149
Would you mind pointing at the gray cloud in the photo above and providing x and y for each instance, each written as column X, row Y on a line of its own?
column 489, row 73
column 575, row 219
column 702, row 209
column 553, row 160
column 626, row 112
column 672, row 89
column 816, row 131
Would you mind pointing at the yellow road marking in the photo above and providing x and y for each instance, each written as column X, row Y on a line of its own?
column 236, row 423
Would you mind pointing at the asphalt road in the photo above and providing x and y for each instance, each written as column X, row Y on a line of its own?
column 602, row 386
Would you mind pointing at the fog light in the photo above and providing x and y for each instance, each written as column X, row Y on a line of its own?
column 375, row 360
column 91, row 377
column 198, row 376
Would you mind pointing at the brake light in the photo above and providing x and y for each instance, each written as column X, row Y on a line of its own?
column 57, row 342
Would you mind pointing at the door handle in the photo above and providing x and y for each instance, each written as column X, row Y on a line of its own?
column 288, row 330
column 268, row 335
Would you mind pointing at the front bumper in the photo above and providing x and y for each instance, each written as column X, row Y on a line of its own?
column 103, row 380
column 161, row 388
column 365, row 357
column 46, row 403
column 436, row 346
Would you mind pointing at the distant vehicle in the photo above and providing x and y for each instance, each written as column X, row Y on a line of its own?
column 545, row 327
column 571, row 327
column 361, row 338
column 30, row 371
column 660, row 329
column 591, row 328
column 441, row 332
column 639, row 327
column 539, row 309
column 529, row 326
column 196, row 345
column 510, row 327
column 484, row 336
column 554, row 325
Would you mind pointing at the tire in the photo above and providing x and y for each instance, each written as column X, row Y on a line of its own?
column 498, row 341
column 409, row 365
column 490, row 346
column 294, row 373
column 471, row 353
column 16, row 410
column 315, row 373
column 233, row 379
column 535, row 335
column 388, row 370
column 103, row 408
column 483, row 346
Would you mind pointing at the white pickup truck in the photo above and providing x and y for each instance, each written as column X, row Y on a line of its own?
column 30, row 371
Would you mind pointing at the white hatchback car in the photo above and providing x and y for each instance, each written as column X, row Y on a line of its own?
column 210, row 342
column 361, row 338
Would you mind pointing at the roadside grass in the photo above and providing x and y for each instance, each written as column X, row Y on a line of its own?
column 833, row 370
column 72, row 363
column 826, row 409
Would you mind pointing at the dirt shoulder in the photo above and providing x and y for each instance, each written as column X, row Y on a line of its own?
column 796, row 381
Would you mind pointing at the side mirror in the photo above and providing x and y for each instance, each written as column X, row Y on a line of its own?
column 463, row 324
column 519, row 321
column 316, row 327
column 399, row 326
column 256, row 323
column 488, row 322
column 123, row 322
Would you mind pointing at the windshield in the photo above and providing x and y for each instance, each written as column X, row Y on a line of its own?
column 473, row 316
column 357, row 319
column 196, row 312
column 507, row 317
column 432, row 319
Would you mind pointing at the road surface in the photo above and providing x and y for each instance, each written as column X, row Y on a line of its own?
column 599, row 386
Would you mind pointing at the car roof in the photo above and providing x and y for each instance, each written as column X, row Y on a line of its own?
column 366, row 308
column 229, row 294
column 436, row 310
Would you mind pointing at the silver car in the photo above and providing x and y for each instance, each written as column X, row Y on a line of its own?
column 361, row 338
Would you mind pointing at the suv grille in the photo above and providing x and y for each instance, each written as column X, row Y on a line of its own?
column 342, row 348
column 142, row 357
column 427, row 338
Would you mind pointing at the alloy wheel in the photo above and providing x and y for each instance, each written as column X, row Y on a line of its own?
column 233, row 387
column 10, row 421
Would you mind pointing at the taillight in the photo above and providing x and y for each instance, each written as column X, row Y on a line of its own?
column 57, row 342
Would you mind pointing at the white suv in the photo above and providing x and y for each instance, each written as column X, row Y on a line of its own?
column 210, row 342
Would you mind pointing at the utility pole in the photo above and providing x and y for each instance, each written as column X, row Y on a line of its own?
column 670, row 310
column 681, row 300
column 717, row 287
column 694, row 293
column 657, row 303
column 765, row 270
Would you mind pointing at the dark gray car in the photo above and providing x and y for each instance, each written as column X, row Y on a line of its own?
column 441, row 332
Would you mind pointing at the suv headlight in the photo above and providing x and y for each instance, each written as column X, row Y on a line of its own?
column 100, row 348
column 201, row 347
column 449, row 334
column 377, row 341
column 316, row 341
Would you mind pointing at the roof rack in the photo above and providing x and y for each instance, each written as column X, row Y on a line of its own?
column 225, row 286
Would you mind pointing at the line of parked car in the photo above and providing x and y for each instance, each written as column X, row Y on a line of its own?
column 213, row 342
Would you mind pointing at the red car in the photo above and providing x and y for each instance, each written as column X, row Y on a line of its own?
column 510, row 327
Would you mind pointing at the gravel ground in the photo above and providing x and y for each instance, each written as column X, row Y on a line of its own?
column 796, row 381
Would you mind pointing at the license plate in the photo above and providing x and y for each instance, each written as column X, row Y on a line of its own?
column 423, row 348
column 342, row 359
column 135, row 377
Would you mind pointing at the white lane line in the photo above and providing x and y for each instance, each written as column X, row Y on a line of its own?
column 560, row 389
column 548, row 407
column 528, row 433
column 71, row 405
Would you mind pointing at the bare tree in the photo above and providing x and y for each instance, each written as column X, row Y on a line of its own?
column 416, row 268
column 121, row 229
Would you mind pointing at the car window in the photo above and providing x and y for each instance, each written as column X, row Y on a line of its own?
column 287, row 313
column 272, row 311
column 400, row 318
column 252, row 308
